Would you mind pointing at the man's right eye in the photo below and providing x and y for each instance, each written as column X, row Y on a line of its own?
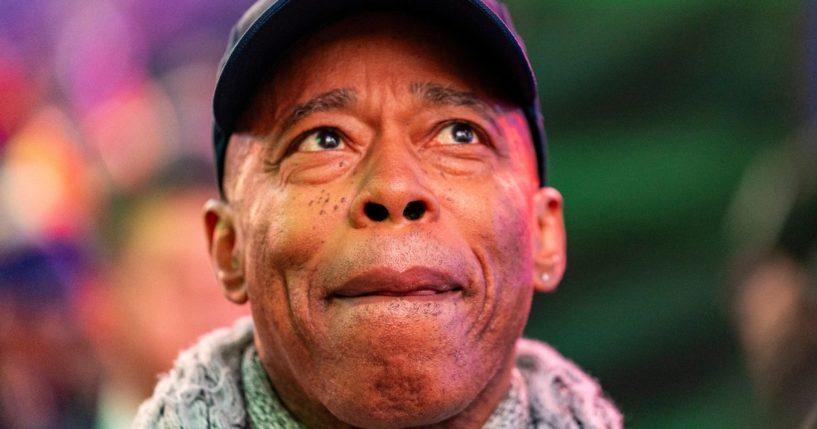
column 321, row 140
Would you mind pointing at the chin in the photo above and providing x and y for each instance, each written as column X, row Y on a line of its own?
column 420, row 408
column 404, row 390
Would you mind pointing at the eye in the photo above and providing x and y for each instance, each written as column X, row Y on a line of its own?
column 321, row 140
column 458, row 133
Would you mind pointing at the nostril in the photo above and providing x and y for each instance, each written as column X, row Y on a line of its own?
column 376, row 212
column 414, row 210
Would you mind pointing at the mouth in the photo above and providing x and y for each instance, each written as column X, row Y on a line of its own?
column 418, row 283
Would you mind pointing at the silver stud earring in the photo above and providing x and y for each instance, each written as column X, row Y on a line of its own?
column 545, row 277
column 228, row 277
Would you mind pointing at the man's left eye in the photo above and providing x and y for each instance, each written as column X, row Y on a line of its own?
column 458, row 133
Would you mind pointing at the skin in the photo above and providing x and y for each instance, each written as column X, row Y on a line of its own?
column 367, row 316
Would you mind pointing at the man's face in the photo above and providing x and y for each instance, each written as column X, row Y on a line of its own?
column 385, row 226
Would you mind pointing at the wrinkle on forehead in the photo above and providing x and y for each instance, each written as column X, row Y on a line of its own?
column 440, row 95
column 344, row 38
column 331, row 100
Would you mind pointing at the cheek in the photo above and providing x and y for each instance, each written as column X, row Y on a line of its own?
column 515, row 259
column 290, row 231
column 286, row 237
column 287, row 233
column 270, row 259
column 509, row 288
column 499, row 218
column 503, row 237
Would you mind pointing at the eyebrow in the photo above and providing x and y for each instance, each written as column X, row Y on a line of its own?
column 332, row 100
column 440, row 95
column 432, row 93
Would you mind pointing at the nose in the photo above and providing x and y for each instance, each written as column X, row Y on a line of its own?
column 394, row 190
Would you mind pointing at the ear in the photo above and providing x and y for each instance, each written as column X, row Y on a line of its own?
column 225, row 249
column 549, row 257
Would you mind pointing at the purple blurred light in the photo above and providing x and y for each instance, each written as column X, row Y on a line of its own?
column 99, row 53
column 811, row 60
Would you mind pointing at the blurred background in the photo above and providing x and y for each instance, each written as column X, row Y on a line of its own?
column 681, row 135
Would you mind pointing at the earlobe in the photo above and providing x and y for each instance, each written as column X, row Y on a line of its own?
column 225, row 249
column 549, row 240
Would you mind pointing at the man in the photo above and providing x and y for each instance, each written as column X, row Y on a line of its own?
column 382, row 214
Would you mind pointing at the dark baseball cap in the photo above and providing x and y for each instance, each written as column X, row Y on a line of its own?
column 270, row 27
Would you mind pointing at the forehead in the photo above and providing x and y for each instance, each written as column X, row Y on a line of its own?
column 381, row 43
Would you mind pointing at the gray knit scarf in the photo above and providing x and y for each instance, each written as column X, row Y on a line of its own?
column 220, row 384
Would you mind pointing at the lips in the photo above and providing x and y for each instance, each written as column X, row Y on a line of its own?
column 386, row 282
